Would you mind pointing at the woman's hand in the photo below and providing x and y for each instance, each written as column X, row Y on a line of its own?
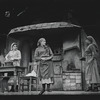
column 46, row 58
column 89, row 61
column 43, row 58
column 12, row 59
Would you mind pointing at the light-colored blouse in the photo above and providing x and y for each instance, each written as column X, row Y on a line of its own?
column 14, row 56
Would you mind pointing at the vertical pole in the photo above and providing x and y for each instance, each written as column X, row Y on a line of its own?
column 82, row 37
column 82, row 69
column 25, row 54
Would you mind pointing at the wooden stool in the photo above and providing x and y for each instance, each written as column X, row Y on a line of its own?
column 29, row 83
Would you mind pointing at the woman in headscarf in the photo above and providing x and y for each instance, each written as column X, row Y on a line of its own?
column 91, row 71
column 14, row 55
column 43, row 55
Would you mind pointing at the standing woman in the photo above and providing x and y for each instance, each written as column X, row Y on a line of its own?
column 43, row 55
column 91, row 71
column 14, row 56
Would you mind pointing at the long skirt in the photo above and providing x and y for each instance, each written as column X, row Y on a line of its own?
column 92, row 73
column 46, row 71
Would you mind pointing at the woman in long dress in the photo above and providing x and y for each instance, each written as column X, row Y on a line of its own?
column 14, row 57
column 43, row 55
column 91, row 71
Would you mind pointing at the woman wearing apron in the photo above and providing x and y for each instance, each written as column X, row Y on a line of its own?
column 43, row 55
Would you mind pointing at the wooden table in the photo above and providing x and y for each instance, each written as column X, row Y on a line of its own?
column 17, row 72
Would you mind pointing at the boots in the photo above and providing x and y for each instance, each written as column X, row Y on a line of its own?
column 43, row 89
column 88, row 87
column 12, row 88
column 94, row 87
column 48, row 88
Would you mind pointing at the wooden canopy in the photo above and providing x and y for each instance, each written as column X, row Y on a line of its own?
column 42, row 26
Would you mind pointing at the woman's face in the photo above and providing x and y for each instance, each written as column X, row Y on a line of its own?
column 14, row 47
column 43, row 43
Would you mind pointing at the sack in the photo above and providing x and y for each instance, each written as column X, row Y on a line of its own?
column 33, row 73
column 12, row 80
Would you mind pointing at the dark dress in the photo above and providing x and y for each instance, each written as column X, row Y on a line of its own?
column 45, row 67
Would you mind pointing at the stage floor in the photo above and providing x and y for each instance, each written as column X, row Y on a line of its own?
column 52, row 93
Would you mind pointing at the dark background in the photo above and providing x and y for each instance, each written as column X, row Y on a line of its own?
column 25, row 12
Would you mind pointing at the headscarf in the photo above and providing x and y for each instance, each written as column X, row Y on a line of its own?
column 40, row 40
column 13, row 45
column 90, row 38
